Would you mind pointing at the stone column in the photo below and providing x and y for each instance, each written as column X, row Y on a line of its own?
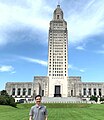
column 15, row 91
column 82, row 91
column 26, row 91
column 102, row 90
column 92, row 93
column 87, row 91
column 97, row 91
column 21, row 92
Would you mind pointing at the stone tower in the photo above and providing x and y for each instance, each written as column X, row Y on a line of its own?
column 58, row 55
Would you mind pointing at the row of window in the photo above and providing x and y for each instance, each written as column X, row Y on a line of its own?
column 59, row 28
column 57, row 74
column 58, row 33
column 58, row 51
column 57, row 47
column 58, row 62
column 59, row 41
column 58, row 36
column 56, row 66
column 89, row 92
column 57, row 71
column 58, row 58
column 19, row 90
column 58, row 24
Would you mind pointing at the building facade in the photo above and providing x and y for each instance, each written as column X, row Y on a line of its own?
column 57, row 83
column 58, row 55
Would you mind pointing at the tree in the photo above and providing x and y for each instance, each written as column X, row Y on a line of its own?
column 3, row 92
column 5, row 99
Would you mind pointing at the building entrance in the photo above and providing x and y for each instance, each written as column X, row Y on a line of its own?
column 57, row 91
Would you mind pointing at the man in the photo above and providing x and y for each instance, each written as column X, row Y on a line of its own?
column 38, row 111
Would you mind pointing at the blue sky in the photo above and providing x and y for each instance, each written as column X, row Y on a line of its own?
column 24, row 26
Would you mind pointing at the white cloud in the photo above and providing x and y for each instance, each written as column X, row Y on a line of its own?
column 44, row 63
column 32, row 16
column 87, row 21
column 41, row 62
column 81, row 70
column 13, row 72
column 75, row 68
column 80, row 48
column 5, row 68
column 85, row 18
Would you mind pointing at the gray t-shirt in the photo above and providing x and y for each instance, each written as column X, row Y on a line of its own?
column 38, row 112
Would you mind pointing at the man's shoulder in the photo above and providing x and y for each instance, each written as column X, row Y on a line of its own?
column 33, row 107
column 43, row 106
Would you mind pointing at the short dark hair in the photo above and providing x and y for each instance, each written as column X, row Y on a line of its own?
column 38, row 96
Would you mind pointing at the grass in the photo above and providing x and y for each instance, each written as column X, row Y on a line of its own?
column 56, row 111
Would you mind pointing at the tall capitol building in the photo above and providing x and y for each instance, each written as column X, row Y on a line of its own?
column 58, row 55
column 57, row 83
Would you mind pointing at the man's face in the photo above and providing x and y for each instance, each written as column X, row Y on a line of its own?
column 38, row 100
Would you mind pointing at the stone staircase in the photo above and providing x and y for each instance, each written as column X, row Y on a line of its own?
column 61, row 100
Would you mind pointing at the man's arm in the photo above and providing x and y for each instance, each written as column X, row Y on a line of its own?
column 46, row 117
column 46, row 113
column 30, row 118
column 31, row 114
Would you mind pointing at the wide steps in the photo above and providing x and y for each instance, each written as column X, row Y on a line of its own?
column 61, row 100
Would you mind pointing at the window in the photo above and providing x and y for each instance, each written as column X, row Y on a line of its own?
column 57, row 16
column 42, row 92
column 71, row 92
column 89, row 91
column 94, row 91
column 24, row 91
column 29, row 91
column 13, row 91
column 84, row 91
column 100, row 92
column 18, row 91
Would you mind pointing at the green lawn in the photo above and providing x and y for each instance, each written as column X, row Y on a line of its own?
column 56, row 112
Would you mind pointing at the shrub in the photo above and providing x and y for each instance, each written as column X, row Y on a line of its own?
column 94, row 98
column 102, row 99
column 5, row 99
